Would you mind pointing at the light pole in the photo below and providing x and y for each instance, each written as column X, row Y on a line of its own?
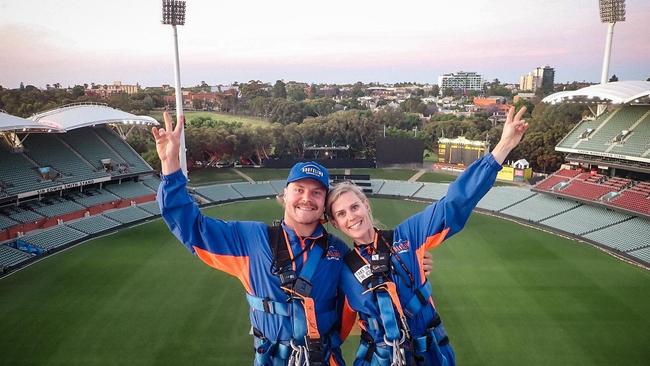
column 174, row 14
column 611, row 11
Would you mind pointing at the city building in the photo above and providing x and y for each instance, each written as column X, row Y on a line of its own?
column 116, row 87
column 460, row 81
column 540, row 78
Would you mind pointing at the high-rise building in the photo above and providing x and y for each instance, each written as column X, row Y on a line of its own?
column 540, row 78
column 460, row 81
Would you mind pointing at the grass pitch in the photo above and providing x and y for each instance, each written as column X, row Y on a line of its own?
column 508, row 295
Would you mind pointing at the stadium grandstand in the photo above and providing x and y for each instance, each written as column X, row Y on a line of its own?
column 605, row 205
column 608, row 154
column 67, row 174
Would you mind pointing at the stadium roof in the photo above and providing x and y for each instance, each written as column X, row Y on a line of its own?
column 13, row 123
column 75, row 116
column 619, row 92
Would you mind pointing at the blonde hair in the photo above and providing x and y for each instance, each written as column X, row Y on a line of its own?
column 341, row 188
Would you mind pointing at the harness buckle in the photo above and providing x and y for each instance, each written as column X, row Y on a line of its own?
column 314, row 351
column 302, row 287
column 266, row 304
column 287, row 277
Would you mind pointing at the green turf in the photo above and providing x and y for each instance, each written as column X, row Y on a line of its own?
column 437, row 177
column 509, row 295
column 247, row 120
column 204, row 176
column 394, row 174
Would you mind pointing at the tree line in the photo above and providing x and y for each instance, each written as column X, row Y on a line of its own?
column 298, row 122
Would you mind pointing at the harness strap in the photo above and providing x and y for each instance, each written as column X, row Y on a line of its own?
column 417, row 302
column 269, row 306
column 301, row 307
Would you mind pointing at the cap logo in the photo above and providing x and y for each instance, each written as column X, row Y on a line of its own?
column 312, row 170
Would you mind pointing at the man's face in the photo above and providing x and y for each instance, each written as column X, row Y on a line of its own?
column 304, row 202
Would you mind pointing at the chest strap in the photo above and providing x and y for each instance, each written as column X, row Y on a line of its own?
column 298, row 287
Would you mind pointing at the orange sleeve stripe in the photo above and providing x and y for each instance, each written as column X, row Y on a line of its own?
column 435, row 240
column 238, row 266
column 348, row 318
column 430, row 243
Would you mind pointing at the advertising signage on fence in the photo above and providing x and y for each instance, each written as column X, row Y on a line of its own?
column 63, row 186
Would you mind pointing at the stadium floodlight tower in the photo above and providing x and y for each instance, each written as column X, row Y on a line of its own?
column 611, row 11
column 174, row 14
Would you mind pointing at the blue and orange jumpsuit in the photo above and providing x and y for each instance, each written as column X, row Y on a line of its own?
column 241, row 249
column 422, row 231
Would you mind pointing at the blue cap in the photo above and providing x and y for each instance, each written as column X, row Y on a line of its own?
column 309, row 170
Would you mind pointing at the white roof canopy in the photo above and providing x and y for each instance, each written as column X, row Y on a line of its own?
column 619, row 92
column 13, row 123
column 82, row 115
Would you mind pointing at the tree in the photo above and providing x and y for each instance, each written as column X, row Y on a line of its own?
column 435, row 90
column 413, row 105
column 313, row 91
column 613, row 78
column 279, row 90
column 252, row 89
column 357, row 90
column 296, row 94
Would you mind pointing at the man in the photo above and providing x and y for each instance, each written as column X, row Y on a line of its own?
column 290, row 273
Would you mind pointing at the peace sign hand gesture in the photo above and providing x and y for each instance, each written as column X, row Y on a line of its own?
column 168, row 142
column 513, row 131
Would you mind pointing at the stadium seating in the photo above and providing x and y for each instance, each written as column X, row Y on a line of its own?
column 93, row 224
column 6, row 222
column 93, row 197
column 151, row 181
column 127, row 215
column 432, row 191
column 53, row 238
column 151, row 207
column 574, row 136
column 622, row 119
column 641, row 188
column 376, row 185
column 638, row 142
column 632, row 201
column 55, row 206
column 129, row 189
column 218, row 193
column 625, row 236
column 93, row 149
column 398, row 188
column 584, row 219
column 642, row 254
column 499, row 198
column 11, row 257
column 48, row 150
column 21, row 215
column 569, row 173
column 18, row 174
column 550, row 182
column 126, row 152
column 540, row 207
column 251, row 190
column 278, row 185
column 585, row 190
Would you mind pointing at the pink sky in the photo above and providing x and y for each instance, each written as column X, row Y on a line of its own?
column 335, row 41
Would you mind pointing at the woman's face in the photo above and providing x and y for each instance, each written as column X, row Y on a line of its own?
column 351, row 215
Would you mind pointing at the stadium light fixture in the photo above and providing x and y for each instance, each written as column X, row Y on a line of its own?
column 174, row 14
column 611, row 11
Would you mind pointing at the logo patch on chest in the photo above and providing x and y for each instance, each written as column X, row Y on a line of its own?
column 333, row 254
column 401, row 246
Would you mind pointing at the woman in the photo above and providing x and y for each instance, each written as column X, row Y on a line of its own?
column 384, row 279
